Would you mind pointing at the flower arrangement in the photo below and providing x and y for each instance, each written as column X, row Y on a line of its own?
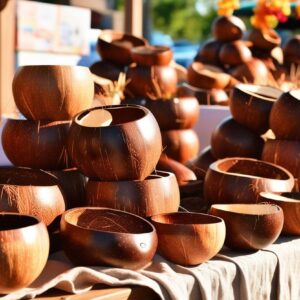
column 227, row 7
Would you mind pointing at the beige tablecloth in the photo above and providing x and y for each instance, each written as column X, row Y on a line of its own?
column 273, row 273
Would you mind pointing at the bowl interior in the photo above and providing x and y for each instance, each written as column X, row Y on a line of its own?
column 16, row 221
column 96, row 118
column 148, row 50
column 295, row 93
column 258, row 91
column 248, row 209
column 283, row 197
column 120, row 39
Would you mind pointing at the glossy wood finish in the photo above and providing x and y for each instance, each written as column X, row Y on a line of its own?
column 240, row 180
column 209, row 52
column 250, row 226
column 24, row 250
column 230, row 139
column 234, row 53
column 291, row 50
column 129, row 148
column 265, row 40
column 101, row 236
column 107, row 69
column 46, row 92
column 189, row 238
column 250, row 105
column 36, row 144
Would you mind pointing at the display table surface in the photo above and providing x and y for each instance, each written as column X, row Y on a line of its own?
column 272, row 273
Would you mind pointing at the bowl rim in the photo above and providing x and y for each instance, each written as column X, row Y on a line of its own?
column 104, row 33
column 280, row 197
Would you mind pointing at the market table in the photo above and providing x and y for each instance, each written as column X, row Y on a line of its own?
column 272, row 273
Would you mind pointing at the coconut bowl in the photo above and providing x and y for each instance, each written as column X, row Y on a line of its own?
column 230, row 139
column 55, row 93
column 116, row 46
column 126, row 148
column 291, row 50
column 107, row 69
column 157, row 193
column 264, row 39
column 24, row 250
column 250, row 105
column 240, row 180
column 189, row 238
column 209, row 52
column 250, row 226
column 102, row 236
column 36, row 144
column 234, row 53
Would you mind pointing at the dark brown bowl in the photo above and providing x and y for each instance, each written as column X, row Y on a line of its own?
column 250, row 226
column 290, row 204
column 55, row 93
column 264, row 39
column 107, row 69
column 31, row 192
column 234, row 53
column 189, row 238
column 240, row 180
column 24, row 250
column 116, row 46
column 102, row 236
column 283, row 153
column 291, row 50
column 152, row 55
column 284, row 117
column 209, row 52
column 156, row 194
column 231, row 139
column 181, row 145
column 250, row 105
column 36, row 144
column 127, row 149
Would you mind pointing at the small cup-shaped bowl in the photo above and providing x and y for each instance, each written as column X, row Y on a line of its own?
column 126, row 149
column 36, row 144
column 107, row 69
column 264, row 39
column 55, row 93
column 189, row 238
column 24, row 250
column 230, row 139
column 240, row 180
column 291, row 50
column 209, row 52
column 283, row 153
column 284, row 116
column 290, row 204
column 102, row 236
column 228, row 28
column 31, row 192
column 156, row 194
column 116, row 46
column 152, row 55
column 250, row 226
column 250, row 105
column 234, row 53
column 181, row 145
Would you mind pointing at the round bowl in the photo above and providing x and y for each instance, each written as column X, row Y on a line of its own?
column 209, row 52
column 24, row 250
column 291, row 50
column 181, row 145
column 53, row 93
column 189, row 238
column 230, row 139
column 152, row 55
column 106, row 69
column 250, row 105
column 283, row 153
column 290, row 204
column 240, row 180
column 126, row 149
column 102, row 236
column 156, row 194
column 116, row 46
column 234, row 53
column 228, row 28
column 36, row 144
column 250, row 226
column 284, row 117
column 264, row 39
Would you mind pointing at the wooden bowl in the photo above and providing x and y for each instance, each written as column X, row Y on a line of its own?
column 116, row 46
column 102, row 236
column 228, row 28
column 52, row 92
column 284, row 117
column 250, row 226
column 126, row 149
column 189, row 238
column 283, row 153
column 156, row 194
column 36, row 144
column 107, row 69
column 230, row 139
column 250, row 105
column 291, row 50
column 240, row 180
column 234, row 53
column 209, row 52
column 152, row 55
column 264, row 39
column 24, row 250
column 290, row 204
column 181, row 145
